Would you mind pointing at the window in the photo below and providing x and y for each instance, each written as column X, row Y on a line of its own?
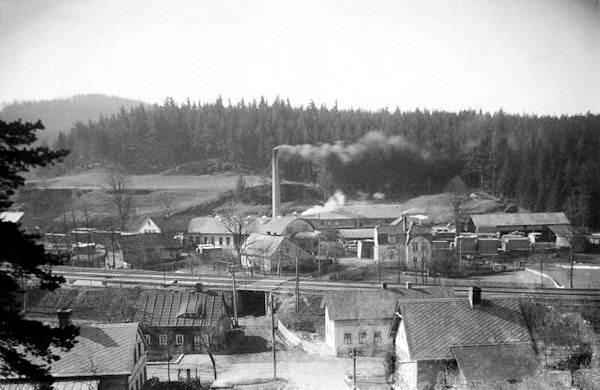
column 227, row 241
column 148, row 339
column 162, row 339
column 178, row 339
column 220, row 241
column 377, row 337
column 347, row 338
column 362, row 337
column 197, row 342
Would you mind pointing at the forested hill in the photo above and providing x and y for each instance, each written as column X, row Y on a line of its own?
column 544, row 163
column 59, row 115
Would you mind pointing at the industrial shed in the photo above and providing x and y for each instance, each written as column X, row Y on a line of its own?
column 552, row 226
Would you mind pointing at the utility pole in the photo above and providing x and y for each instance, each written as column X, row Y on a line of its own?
column 541, row 272
column 319, row 255
column 297, row 291
column 233, row 269
column 354, row 368
column 571, row 247
column 273, row 337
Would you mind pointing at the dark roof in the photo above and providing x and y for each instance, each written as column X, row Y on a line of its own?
column 207, row 225
column 276, row 225
column 106, row 349
column 563, row 230
column 79, row 384
column 419, row 230
column 371, row 304
column 520, row 219
column 433, row 326
column 179, row 309
column 495, row 363
column 149, row 307
column 356, row 234
column 137, row 242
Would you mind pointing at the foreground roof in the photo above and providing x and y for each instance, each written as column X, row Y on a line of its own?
column 496, row 363
column 81, row 384
column 101, row 349
column 374, row 304
column 434, row 326
column 520, row 219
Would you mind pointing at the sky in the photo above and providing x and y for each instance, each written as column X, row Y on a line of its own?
column 523, row 56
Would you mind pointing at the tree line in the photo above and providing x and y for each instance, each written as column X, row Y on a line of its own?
column 543, row 163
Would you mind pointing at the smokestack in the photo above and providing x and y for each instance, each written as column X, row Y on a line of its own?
column 64, row 317
column 276, row 189
column 475, row 296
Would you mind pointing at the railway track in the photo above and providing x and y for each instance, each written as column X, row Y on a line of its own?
column 154, row 279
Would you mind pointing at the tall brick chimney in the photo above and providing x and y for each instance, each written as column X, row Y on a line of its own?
column 64, row 317
column 276, row 190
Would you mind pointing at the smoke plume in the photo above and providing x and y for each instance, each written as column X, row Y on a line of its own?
column 374, row 142
column 333, row 203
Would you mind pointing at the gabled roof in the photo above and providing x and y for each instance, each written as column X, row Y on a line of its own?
column 138, row 222
column 78, row 384
column 207, row 225
column 376, row 211
column 520, row 219
column 356, row 234
column 101, row 349
column 276, row 225
column 179, row 308
column 262, row 245
column 434, row 326
column 496, row 363
column 419, row 230
column 374, row 304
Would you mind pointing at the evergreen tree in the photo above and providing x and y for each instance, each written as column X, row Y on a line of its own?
column 26, row 346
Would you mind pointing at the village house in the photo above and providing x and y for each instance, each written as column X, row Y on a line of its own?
column 360, row 319
column 105, row 357
column 179, row 322
column 274, row 253
column 389, row 243
column 461, row 341
column 143, row 225
column 419, row 249
column 209, row 232
column 298, row 230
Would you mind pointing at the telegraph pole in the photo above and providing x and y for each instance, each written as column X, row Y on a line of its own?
column 232, row 269
column 297, row 290
column 571, row 247
column 273, row 337
column 354, row 368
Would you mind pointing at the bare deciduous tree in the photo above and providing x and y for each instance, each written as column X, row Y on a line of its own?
column 237, row 219
column 117, row 189
column 457, row 197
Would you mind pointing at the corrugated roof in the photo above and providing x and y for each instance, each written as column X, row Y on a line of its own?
column 496, row 363
column 84, row 384
column 370, row 304
column 433, row 326
column 101, row 349
column 356, row 234
column 520, row 219
column 262, row 245
column 207, row 225
column 179, row 309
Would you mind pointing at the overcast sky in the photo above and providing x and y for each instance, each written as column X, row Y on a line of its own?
column 525, row 56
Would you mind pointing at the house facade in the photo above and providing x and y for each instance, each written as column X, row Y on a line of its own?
column 145, row 225
column 456, row 342
column 360, row 320
column 269, row 253
column 209, row 231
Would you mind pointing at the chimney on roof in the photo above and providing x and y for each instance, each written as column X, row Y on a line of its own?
column 64, row 317
column 408, row 285
column 475, row 296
